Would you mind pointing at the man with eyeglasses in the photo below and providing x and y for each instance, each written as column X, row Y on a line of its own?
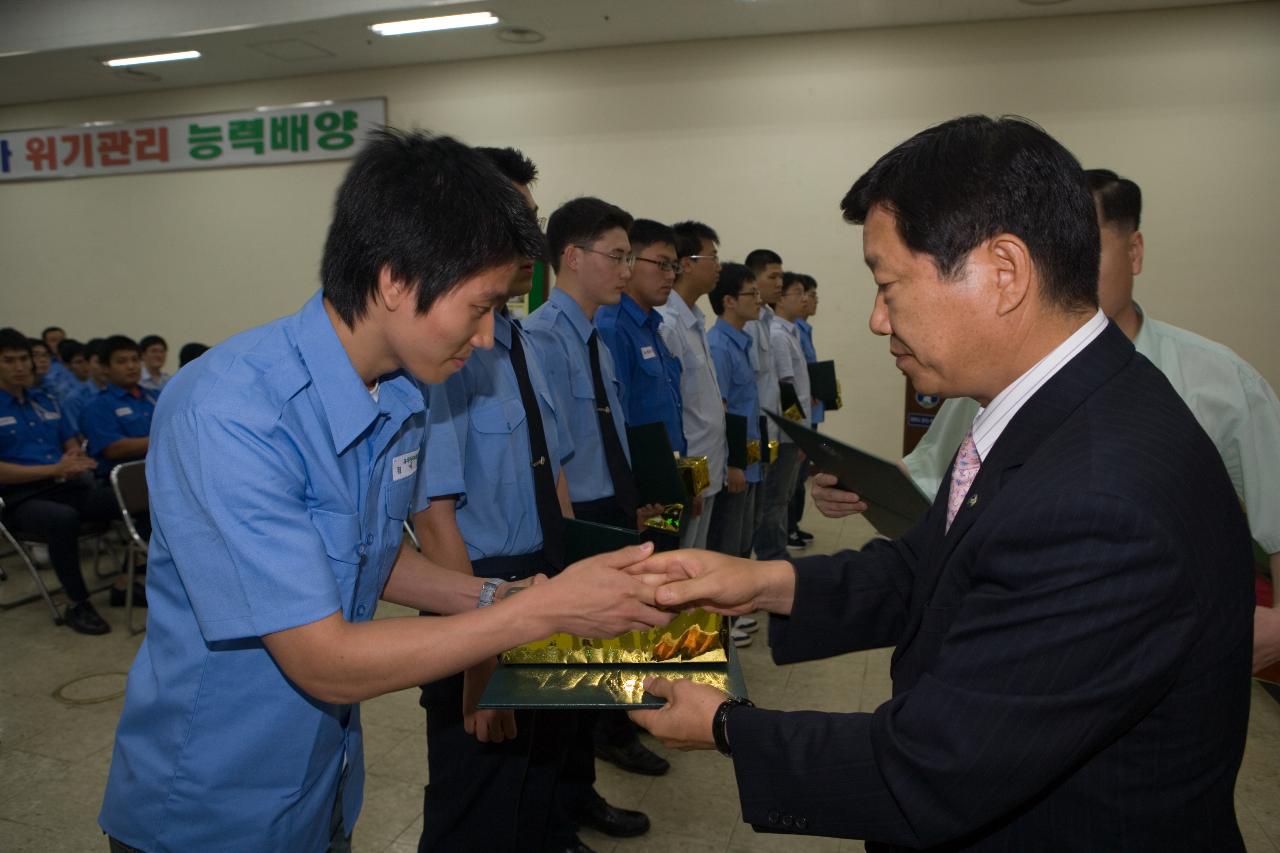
column 649, row 373
column 684, row 332
column 592, row 259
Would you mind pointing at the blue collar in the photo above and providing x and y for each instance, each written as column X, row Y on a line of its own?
column 348, row 407
column 739, row 338
column 573, row 312
column 502, row 329
column 118, row 392
column 638, row 315
column 804, row 326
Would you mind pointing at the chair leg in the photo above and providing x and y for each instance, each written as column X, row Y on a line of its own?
column 41, row 590
column 128, row 593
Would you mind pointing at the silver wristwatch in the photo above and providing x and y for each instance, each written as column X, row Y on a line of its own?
column 487, row 591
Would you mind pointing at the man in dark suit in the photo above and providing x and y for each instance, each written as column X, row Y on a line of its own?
column 1072, row 616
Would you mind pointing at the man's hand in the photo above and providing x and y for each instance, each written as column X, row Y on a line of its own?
column 695, row 509
column 602, row 596
column 488, row 726
column 1266, row 637
column 72, row 464
column 728, row 585
column 647, row 512
column 737, row 481
column 685, row 721
column 833, row 502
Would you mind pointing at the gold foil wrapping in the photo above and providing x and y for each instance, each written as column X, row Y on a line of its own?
column 619, row 686
column 694, row 473
column 773, row 450
column 753, row 451
column 794, row 413
column 668, row 521
column 693, row 637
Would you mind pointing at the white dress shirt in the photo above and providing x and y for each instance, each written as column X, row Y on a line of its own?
column 684, row 332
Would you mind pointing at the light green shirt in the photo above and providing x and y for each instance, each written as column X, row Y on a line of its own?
column 1231, row 400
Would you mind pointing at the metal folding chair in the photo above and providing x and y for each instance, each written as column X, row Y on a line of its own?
column 413, row 537
column 129, row 482
column 15, row 539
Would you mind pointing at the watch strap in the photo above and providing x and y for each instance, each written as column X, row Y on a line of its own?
column 721, row 720
column 487, row 591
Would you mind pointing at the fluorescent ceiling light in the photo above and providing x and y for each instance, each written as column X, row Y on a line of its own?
column 430, row 25
column 155, row 57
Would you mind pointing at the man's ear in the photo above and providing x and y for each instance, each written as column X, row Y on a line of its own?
column 1136, row 250
column 393, row 291
column 1010, row 260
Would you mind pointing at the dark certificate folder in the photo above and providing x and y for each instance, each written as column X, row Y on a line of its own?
column 822, row 383
column 894, row 503
column 654, row 463
column 584, row 539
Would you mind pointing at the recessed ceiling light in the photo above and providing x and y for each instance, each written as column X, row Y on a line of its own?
column 431, row 25
column 520, row 35
column 154, row 57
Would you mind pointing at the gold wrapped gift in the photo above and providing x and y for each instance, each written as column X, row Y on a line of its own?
column 668, row 521
column 753, row 451
column 693, row 637
column 794, row 413
column 773, row 450
column 694, row 473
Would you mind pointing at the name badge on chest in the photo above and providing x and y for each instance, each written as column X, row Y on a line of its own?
column 123, row 412
column 648, row 352
column 404, row 465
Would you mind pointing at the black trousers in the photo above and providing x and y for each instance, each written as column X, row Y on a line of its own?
column 52, row 513
column 492, row 796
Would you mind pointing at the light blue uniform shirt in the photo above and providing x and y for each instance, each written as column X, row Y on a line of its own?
column 561, row 332
column 731, row 351
column 478, row 448
column 810, row 356
column 649, row 373
column 278, row 490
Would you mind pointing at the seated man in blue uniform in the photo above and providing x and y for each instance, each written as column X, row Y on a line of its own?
column 1072, row 616
column 117, row 422
column 648, row 372
column 283, row 465
column 46, row 480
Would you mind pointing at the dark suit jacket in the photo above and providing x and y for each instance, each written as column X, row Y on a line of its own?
column 1072, row 662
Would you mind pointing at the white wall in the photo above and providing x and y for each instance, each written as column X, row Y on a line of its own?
column 758, row 137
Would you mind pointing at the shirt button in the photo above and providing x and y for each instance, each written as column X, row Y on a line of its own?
column 360, row 550
column 802, row 822
column 360, row 611
column 368, row 540
column 773, row 817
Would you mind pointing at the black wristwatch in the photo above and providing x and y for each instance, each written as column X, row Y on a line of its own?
column 722, row 717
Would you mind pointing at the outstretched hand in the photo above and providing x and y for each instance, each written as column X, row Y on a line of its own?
column 602, row 596
column 718, row 583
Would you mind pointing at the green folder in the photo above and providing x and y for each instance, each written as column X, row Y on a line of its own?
column 735, row 428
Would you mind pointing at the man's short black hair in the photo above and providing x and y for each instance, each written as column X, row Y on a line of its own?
column 512, row 163
column 689, row 237
column 961, row 182
column 758, row 259
column 1121, row 198
column 48, row 329
column 432, row 210
column 644, row 233
column 93, row 349
column 789, row 277
column 732, row 278
column 190, row 352
column 582, row 220
column 810, row 283
column 12, row 339
column 69, row 348
column 115, row 344
column 36, row 342
column 150, row 341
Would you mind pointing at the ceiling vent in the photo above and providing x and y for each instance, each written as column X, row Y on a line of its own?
column 291, row 50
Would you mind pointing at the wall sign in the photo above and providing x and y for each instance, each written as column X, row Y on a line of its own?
column 300, row 133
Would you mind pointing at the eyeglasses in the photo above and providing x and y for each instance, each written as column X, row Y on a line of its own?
column 628, row 260
column 665, row 266
column 711, row 257
column 753, row 294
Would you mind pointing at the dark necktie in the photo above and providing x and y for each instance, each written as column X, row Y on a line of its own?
column 544, row 483
column 624, row 485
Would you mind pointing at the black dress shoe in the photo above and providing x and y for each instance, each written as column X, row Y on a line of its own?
column 633, row 757
column 139, row 596
column 83, row 619
column 613, row 821
column 803, row 534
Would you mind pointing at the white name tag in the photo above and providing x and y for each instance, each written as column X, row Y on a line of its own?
column 648, row 352
column 52, row 416
column 8, row 421
column 123, row 411
column 404, row 465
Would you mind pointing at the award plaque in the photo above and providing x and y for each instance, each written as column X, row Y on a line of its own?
column 566, row 672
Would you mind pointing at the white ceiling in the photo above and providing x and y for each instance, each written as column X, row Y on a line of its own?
column 52, row 49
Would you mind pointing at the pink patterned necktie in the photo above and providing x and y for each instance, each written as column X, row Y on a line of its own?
column 962, row 475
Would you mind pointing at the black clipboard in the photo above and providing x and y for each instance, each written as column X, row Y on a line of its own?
column 894, row 502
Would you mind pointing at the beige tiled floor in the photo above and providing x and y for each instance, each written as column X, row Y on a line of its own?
column 54, row 754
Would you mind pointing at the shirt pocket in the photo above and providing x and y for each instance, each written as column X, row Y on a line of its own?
column 399, row 495
column 493, row 427
column 583, row 388
column 742, row 374
column 340, row 533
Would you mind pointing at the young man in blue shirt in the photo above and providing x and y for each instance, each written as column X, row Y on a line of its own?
column 649, row 373
column 45, row 478
column 117, row 421
column 283, row 465
column 795, row 536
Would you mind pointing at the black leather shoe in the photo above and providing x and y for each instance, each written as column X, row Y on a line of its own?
column 83, row 619
column 803, row 534
column 633, row 757
column 613, row 821
column 139, row 596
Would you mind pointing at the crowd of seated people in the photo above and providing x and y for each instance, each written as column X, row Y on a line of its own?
column 69, row 413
